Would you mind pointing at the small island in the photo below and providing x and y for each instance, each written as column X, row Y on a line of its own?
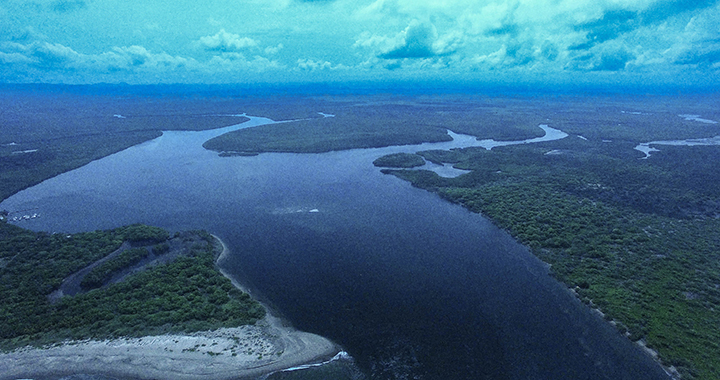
column 399, row 160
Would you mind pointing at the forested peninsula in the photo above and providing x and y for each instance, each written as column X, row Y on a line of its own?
column 135, row 281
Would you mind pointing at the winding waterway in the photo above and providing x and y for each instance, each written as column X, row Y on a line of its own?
column 411, row 286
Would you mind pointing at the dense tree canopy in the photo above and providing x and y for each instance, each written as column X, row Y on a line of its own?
column 184, row 294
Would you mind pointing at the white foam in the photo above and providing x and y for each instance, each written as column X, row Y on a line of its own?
column 340, row 355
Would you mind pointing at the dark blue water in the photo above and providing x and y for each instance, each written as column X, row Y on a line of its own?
column 411, row 286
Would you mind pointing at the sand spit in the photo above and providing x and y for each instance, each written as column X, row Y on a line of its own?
column 245, row 352
column 230, row 353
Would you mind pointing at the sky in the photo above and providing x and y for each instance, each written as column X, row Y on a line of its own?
column 281, row 41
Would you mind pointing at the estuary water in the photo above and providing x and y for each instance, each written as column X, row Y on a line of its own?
column 411, row 286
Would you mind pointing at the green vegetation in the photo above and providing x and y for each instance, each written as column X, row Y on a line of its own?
column 184, row 294
column 378, row 121
column 104, row 272
column 138, row 233
column 354, row 129
column 399, row 160
column 638, row 239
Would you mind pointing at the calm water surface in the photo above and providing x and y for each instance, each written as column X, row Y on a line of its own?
column 411, row 286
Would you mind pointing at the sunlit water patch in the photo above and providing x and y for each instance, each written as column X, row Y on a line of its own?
column 647, row 148
column 698, row 119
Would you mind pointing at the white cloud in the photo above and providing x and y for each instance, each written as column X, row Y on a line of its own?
column 137, row 57
column 312, row 65
column 408, row 36
column 54, row 57
column 309, row 64
column 270, row 50
column 14, row 58
column 42, row 54
column 418, row 40
column 539, row 33
column 226, row 42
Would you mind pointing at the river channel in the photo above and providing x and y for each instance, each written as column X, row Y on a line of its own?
column 411, row 286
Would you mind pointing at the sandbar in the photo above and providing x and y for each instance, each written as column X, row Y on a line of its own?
column 245, row 352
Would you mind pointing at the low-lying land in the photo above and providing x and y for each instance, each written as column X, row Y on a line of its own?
column 400, row 160
column 379, row 121
column 169, row 314
column 151, row 296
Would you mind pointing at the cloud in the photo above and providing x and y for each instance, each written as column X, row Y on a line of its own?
column 28, row 61
column 609, row 26
column 40, row 54
column 14, row 58
column 549, row 51
column 613, row 61
column 614, row 23
column 312, row 65
column 706, row 54
column 662, row 10
column 273, row 49
column 699, row 43
column 503, row 19
column 57, row 57
column 609, row 59
column 65, row 6
column 413, row 37
column 226, row 42
column 309, row 64
column 53, row 55
column 512, row 55
column 418, row 40
column 134, row 57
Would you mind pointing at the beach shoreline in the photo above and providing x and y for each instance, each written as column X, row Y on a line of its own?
column 245, row 352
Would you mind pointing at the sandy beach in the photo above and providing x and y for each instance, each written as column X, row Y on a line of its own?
column 244, row 352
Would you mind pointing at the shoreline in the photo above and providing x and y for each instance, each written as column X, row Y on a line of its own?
column 244, row 352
